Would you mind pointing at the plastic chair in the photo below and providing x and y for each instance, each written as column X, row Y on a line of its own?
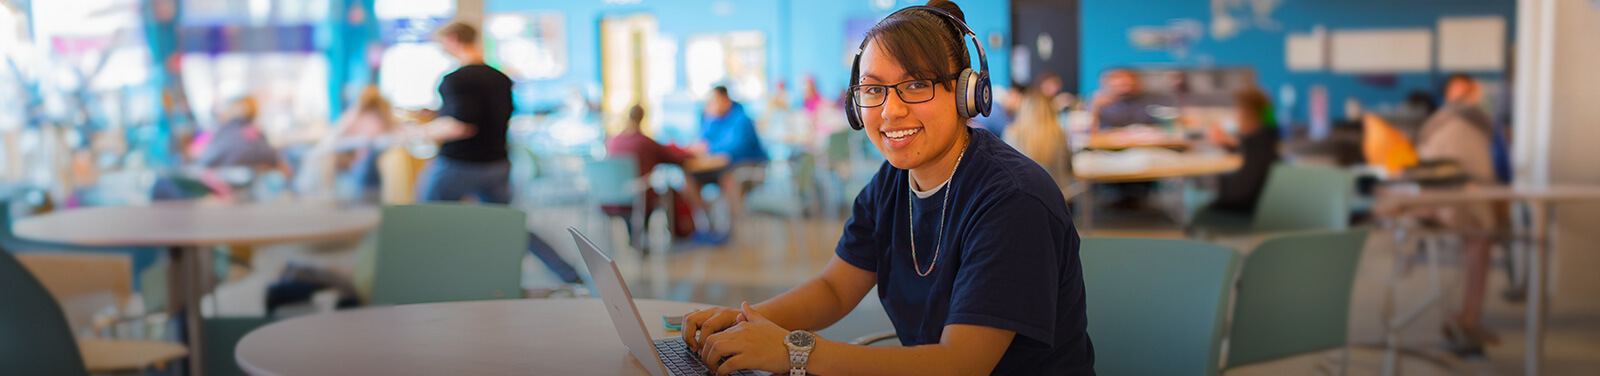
column 1156, row 306
column 1294, row 297
column 445, row 252
column 1295, row 198
column 616, row 182
column 36, row 339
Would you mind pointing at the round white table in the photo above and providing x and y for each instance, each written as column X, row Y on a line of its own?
column 185, row 228
column 529, row 337
column 1541, row 203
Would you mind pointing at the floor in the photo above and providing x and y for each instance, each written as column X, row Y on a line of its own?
column 767, row 255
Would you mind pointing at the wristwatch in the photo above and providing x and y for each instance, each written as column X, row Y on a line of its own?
column 800, row 343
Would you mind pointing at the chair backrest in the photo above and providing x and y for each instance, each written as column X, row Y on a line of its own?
column 34, row 336
column 1304, row 198
column 448, row 252
column 1294, row 296
column 1156, row 306
column 612, row 181
column 83, row 282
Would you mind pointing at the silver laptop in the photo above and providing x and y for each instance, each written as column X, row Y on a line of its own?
column 661, row 356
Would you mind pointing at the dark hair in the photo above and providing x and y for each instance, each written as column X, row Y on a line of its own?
column 1256, row 101
column 720, row 90
column 635, row 114
column 459, row 31
column 916, row 39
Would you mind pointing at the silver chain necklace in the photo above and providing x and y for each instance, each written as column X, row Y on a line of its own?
column 944, row 205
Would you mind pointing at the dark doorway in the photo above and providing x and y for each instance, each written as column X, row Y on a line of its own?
column 1055, row 22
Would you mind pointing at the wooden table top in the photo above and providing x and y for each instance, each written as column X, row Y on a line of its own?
column 1185, row 167
column 198, row 224
column 530, row 337
column 105, row 355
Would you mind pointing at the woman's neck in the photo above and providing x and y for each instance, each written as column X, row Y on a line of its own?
column 938, row 171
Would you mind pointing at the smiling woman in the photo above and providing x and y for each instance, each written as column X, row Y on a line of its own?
column 968, row 241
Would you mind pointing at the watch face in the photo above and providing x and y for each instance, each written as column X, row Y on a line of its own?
column 801, row 339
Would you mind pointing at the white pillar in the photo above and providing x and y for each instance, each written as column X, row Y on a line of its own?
column 1531, row 123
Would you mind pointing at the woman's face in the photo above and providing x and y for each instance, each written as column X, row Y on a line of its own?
column 908, row 135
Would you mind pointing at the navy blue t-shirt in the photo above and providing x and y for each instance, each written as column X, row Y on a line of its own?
column 1008, row 258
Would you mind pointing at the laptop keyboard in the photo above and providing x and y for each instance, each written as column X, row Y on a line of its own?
column 681, row 361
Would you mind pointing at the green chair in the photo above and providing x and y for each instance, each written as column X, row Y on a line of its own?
column 444, row 252
column 1156, row 306
column 1294, row 296
column 222, row 337
column 34, row 336
column 1295, row 198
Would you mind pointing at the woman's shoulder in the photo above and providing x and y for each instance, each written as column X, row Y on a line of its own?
column 1000, row 172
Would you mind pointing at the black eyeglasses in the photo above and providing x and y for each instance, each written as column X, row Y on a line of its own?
column 913, row 91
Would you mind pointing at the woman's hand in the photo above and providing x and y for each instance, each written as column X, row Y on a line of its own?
column 699, row 325
column 755, row 343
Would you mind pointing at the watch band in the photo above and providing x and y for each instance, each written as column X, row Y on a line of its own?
column 797, row 362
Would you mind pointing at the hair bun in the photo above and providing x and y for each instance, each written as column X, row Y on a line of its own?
column 949, row 7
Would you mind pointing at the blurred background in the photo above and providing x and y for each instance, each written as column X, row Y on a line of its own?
column 1217, row 121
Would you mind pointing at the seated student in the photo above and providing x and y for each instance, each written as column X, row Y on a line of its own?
column 1038, row 135
column 1257, row 144
column 236, row 144
column 1122, row 101
column 982, row 278
column 633, row 143
column 347, row 160
column 728, row 132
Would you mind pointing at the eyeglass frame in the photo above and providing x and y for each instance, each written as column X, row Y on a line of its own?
column 897, row 92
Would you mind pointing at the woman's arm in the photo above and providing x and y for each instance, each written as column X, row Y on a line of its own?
column 822, row 301
column 758, row 344
column 815, row 304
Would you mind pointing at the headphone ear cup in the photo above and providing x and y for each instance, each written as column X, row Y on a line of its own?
column 853, row 114
column 964, row 94
column 985, row 97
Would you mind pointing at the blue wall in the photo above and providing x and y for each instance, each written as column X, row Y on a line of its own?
column 804, row 37
column 1105, row 41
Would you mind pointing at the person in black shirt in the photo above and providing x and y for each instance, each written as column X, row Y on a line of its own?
column 1240, row 191
column 471, row 128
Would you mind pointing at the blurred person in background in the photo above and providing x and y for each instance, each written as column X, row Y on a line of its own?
column 1037, row 134
column 727, row 132
column 237, row 145
column 1257, row 144
column 1122, row 101
column 347, row 160
column 1050, row 85
column 633, row 143
column 471, row 125
column 1461, row 132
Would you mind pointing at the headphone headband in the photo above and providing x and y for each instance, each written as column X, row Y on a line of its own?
column 961, row 26
column 972, row 92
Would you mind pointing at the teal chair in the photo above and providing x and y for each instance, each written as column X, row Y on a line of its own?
column 1295, row 198
column 34, row 336
column 1156, row 306
column 1294, row 296
column 444, row 252
column 616, row 182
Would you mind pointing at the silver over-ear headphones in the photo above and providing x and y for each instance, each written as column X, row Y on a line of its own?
column 973, row 97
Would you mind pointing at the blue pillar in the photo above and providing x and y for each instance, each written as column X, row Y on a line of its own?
column 351, row 27
column 161, row 33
